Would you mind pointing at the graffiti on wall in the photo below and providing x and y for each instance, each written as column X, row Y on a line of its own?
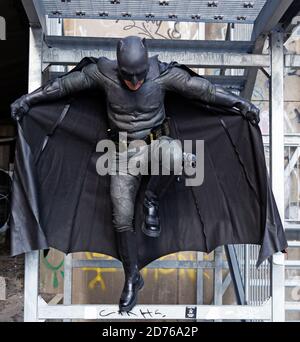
column 153, row 29
column 157, row 272
column 98, row 279
column 56, row 270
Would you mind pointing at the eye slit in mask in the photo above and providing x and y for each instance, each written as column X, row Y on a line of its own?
column 128, row 75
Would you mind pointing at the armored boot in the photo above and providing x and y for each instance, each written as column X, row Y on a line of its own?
column 151, row 226
column 127, row 248
column 156, row 189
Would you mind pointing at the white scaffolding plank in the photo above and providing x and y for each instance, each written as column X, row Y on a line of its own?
column 156, row 312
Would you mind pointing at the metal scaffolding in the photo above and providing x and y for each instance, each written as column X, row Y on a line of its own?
column 261, row 292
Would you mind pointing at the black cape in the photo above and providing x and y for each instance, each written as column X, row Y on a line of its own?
column 60, row 201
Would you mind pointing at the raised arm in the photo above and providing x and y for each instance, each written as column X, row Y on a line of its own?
column 57, row 89
column 198, row 88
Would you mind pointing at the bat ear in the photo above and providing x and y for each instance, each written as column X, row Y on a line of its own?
column 144, row 42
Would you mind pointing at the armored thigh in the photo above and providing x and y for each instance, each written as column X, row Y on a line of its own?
column 123, row 191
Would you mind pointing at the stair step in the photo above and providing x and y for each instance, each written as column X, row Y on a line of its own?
column 294, row 243
column 292, row 306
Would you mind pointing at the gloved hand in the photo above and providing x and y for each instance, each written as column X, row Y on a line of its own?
column 19, row 108
column 227, row 99
column 250, row 112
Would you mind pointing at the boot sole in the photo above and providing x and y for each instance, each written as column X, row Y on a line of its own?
column 129, row 307
column 149, row 233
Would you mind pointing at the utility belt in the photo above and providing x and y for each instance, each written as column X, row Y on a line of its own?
column 156, row 133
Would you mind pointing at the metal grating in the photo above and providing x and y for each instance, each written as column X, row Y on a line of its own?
column 233, row 11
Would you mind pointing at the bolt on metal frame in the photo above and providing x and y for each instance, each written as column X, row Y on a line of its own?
column 263, row 304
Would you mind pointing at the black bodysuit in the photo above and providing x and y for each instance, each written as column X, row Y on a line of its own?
column 137, row 112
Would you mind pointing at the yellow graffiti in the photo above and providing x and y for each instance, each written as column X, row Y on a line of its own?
column 98, row 279
column 183, row 273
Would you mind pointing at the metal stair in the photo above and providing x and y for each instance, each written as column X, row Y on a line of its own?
column 292, row 279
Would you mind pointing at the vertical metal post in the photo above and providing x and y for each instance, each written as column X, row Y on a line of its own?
column 35, row 58
column 235, row 273
column 218, row 277
column 68, row 276
column 31, row 287
column 246, row 273
column 200, row 284
column 277, row 163
column 31, row 282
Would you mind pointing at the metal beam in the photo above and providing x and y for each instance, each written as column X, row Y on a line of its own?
column 268, row 18
column 277, row 163
column 218, row 276
column 103, row 43
column 68, row 276
column 200, row 281
column 277, row 119
column 58, row 56
column 235, row 274
column 164, row 264
column 35, row 59
column 68, row 280
column 292, row 226
column 70, row 50
column 193, row 60
column 292, row 139
column 31, row 286
column 35, row 14
column 292, row 61
column 227, row 39
column 291, row 18
column 292, row 306
column 292, row 163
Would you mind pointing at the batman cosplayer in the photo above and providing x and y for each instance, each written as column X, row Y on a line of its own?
column 60, row 201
